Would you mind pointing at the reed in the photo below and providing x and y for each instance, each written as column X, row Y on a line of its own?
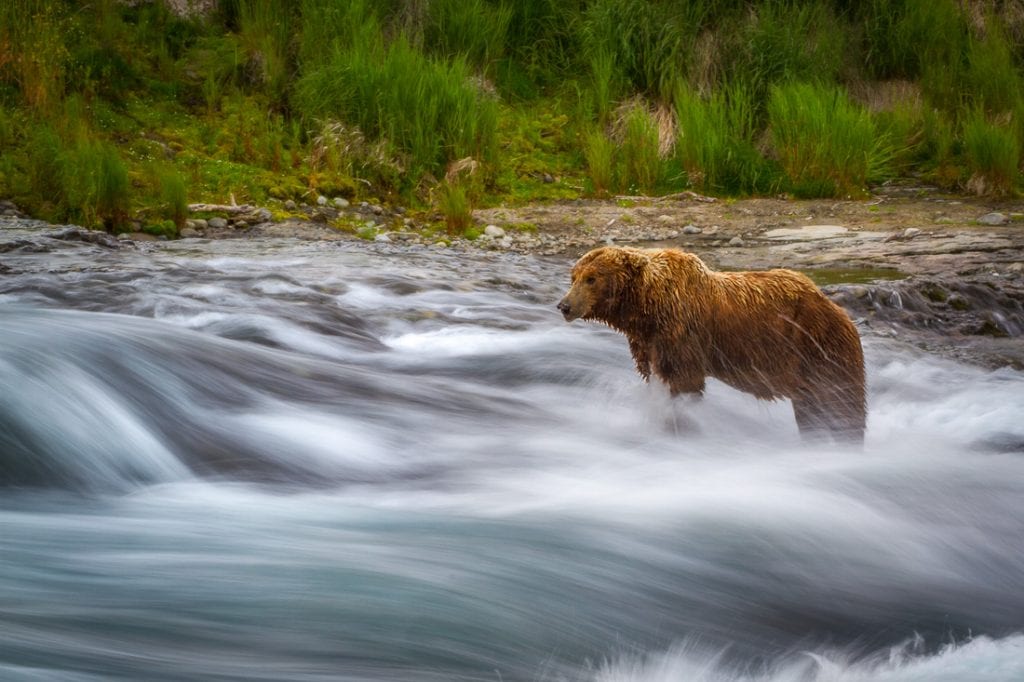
column 992, row 151
column 429, row 111
column 826, row 145
column 716, row 142
column 643, row 169
column 599, row 152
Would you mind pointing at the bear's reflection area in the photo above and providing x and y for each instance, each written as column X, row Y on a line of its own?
column 298, row 461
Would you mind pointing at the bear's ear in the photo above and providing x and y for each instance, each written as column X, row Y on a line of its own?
column 629, row 268
column 633, row 264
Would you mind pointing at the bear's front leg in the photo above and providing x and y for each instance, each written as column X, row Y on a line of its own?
column 680, row 371
column 641, row 356
column 689, row 383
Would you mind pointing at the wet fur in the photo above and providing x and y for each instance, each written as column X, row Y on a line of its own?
column 773, row 334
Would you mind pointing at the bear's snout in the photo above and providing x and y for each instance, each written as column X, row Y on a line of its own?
column 566, row 308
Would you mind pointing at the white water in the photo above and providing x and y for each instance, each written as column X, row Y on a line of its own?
column 280, row 460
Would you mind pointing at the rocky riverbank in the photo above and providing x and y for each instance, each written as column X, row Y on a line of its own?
column 945, row 273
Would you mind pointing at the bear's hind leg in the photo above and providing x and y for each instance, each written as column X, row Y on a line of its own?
column 818, row 421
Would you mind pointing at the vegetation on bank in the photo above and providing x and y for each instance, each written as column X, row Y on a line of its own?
column 115, row 111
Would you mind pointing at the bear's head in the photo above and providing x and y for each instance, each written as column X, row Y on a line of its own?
column 603, row 283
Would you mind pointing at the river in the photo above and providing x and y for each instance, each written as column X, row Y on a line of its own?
column 274, row 459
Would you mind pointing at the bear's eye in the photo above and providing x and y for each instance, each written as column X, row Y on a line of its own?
column 590, row 280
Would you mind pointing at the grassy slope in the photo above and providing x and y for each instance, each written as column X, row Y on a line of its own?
column 110, row 113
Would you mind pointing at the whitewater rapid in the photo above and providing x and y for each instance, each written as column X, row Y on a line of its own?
column 287, row 460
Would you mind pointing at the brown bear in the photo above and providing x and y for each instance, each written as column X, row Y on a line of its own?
column 773, row 334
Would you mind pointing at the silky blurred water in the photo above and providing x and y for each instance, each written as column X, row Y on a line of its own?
column 284, row 460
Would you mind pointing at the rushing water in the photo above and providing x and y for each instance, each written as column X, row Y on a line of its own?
column 283, row 460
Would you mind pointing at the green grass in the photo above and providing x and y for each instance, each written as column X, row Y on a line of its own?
column 642, row 170
column 599, row 150
column 430, row 111
column 173, row 195
column 453, row 200
column 826, row 145
column 552, row 99
column 716, row 143
column 993, row 156
column 472, row 29
column 790, row 41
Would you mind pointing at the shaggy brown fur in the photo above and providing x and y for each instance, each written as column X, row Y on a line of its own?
column 772, row 334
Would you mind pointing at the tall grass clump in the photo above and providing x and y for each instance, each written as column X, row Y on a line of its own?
column 716, row 142
column 542, row 46
column 992, row 77
column 33, row 51
column 938, row 148
column 474, row 29
column 784, row 41
column 647, row 42
column 453, row 200
column 992, row 152
column 826, row 145
column 907, row 38
column 643, row 169
column 599, row 153
column 173, row 196
column 266, row 30
column 430, row 111
column 94, row 185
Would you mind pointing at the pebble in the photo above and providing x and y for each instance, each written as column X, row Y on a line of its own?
column 189, row 232
column 692, row 229
column 494, row 231
column 290, row 205
column 382, row 238
column 264, row 215
column 217, row 223
column 377, row 210
column 340, row 202
column 506, row 242
column 911, row 232
column 994, row 218
column 736, row 241
column 321, row 200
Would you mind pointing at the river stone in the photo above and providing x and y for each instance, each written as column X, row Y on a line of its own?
column 290, row 205
column 340, row 202
column 494, row 231
column 911, row 232
column 217, row 223
column 382, row 238
column 808, row 232
column 692, row 229
column 189, row 233
column 264, row 215
column 994, row 218
column 321, row 200
column 736, row 241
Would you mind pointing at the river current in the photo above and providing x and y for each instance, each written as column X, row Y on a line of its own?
column 273, row 459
